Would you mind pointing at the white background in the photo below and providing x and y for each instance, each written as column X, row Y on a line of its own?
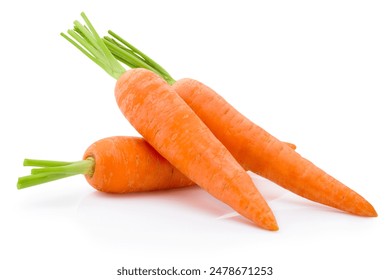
column 315, row 73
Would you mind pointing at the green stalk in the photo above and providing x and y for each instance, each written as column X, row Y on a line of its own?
column 77, row 167
column 44, row 163
column 109, row 52
column 134, row 60
column 54, row 170
column 127, row 53
column 88, row 41
column 131, row 48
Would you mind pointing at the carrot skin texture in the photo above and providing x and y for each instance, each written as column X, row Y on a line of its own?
column 129, row 164
column 258, row 151
column 173, row 129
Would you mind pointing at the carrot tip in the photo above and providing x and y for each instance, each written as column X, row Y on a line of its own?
column 272, row 227
column 372, row 213
column 367, row 210
column 269, row 223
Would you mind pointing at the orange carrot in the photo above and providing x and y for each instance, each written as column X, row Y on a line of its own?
column 133, row 166
column 254, row 148
column 265, row 155
column 173, row 129
column 170, row 126
column 118, row 164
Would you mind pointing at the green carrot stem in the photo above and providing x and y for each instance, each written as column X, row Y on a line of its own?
column 44, row 163
column 33, row 180
column 131, row 50
column 110, row 52
column 78, row 167
column 141, row 54
column 88, row 41
column 128, row 56
column 54, row 170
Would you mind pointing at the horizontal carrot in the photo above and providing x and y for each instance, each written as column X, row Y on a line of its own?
column 170, row 126
column 254, row 148
column 119, row 164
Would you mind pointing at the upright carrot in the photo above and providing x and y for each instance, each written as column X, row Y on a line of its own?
column 118, row 164
column 170, row 126
column 253, row 147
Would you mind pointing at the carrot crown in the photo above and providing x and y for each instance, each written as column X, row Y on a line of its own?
column 108, row 52
column 128, row 54
column 54, row 170
column 87, row 40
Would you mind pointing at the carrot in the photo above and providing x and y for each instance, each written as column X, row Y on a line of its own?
column 262, row 153
column 253, row 147
column 170, row 126
column 118, row 164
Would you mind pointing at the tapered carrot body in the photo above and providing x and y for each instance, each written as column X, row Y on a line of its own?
column 170, row 126
column 258, row 151
column 129, row 164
